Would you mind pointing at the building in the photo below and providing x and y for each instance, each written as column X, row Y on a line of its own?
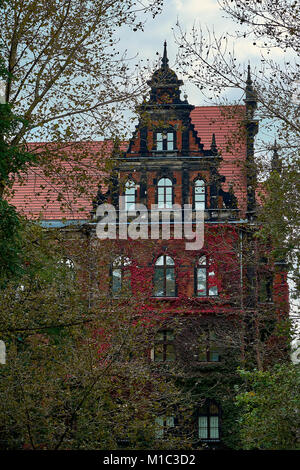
column 209, row 305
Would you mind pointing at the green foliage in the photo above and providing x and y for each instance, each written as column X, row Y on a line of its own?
column 10, row 262
column 269, row 403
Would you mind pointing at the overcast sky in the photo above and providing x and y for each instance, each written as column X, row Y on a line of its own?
column 205, row 12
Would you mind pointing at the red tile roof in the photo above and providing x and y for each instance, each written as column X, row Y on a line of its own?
column 226, row 123
column 54, row 197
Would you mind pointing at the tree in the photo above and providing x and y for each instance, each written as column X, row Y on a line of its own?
column 267, row 421
column 268, row 25
column 78, row 375
column 270, row 408
column 14, row 159
column 69, row 81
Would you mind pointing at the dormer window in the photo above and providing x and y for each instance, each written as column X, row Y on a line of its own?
column 165, row 141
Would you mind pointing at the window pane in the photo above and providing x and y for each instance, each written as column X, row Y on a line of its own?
column 116, row 280
column 159, row 282
column 169, row 261
column 170, row 136
column 202, row 260
column 170, row 145
column 160, row 335
column 170, row 352
column 199, row 206
column 203, row 427
column 159, row 421
column 214, row 427
column 170, row 282
column 213, row 409
column 170, row 421
column 214, row 356
column 158, row 353
column 160, row 261
column 169, row 335
column 201, row 281
column 213, row 290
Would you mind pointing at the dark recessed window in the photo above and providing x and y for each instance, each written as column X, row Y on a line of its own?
column 265, row 281
column 209, row 422
column 208, row 347
column 163, row 425
column 164, row 277
column 164, row 350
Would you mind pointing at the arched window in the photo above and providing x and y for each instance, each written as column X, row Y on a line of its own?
column 164, row 193
column 164, row 277
column 209, row 422
column 199, row 195
column 130, row 194
column 202, row 287
column 120, row 276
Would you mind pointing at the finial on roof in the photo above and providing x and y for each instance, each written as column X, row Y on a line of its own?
column 213, row 146
column 250, row 92
column 165, row 60
column 276, row 163
column 249, row 81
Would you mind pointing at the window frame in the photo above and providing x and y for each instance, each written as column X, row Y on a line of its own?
column 265, row 281
column 165, row 141
column 165, row 267
column 204, row 266
column 129, row 185
column 123, row 267
column 208, row 338
column 207, row 414
column 165, row 342
column 194, row 193
column 164, row 428
column 166, row 202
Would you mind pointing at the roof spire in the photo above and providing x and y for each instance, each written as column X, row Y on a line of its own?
column 213, row 146
column 165, row 60
column 250, row 92
column 276, row 163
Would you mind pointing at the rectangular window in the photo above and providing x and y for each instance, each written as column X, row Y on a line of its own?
column 165, row 141
column 164, row 350
column 163, row 425
column 208, row 347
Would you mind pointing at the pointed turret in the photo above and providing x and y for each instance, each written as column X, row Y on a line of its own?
column 251, row 97
column 165, row 60
column 213, row 146
column 164, row 83
column 251, row 130
column 276, row 163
